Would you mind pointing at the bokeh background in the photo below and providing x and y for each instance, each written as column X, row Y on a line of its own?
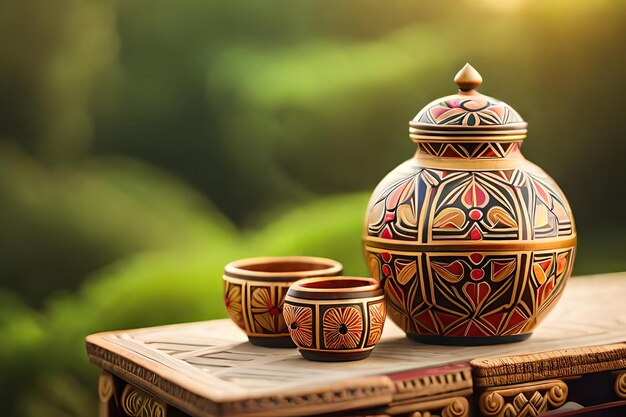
column 145, row 143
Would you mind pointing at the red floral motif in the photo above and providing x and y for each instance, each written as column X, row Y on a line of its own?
column 475, row 214
column 377, row 313
column 266, row 310
column 475, row 234
column 475, row 195
column 343, row 328
column 452, row 272
column 501, row 270
column 300, row 324
column 477, row 292
column 476, row 258
column 232, row 300
column 472, row 112
column 450, row 218
column 477, row 274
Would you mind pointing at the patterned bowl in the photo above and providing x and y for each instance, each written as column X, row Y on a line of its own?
column 255, row 288
column 335, row 319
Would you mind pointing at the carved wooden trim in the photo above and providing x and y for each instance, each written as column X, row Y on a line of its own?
column 445, row 380
column 620, row 385
column 138, row 375
column 106, row 388
column 540, row 366
column 137, row 403
column 448, row 407
column 523, row 400
column 106, row 391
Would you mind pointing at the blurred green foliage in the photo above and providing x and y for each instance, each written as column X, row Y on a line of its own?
column 144, row 144
column 44, row 365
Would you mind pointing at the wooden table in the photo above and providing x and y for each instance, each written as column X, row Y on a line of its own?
column 209, row 369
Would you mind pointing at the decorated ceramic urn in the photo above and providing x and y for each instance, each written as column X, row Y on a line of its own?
column 472, row 243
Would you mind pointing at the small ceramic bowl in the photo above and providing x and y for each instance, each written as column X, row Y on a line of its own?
column 335, row 319
column 255, row 288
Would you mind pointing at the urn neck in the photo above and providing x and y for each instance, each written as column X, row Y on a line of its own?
column 469, row 156
column 469, row 150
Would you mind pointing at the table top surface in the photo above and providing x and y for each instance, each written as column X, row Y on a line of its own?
column 210, row 367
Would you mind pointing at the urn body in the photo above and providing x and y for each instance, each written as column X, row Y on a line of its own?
column 472, row 243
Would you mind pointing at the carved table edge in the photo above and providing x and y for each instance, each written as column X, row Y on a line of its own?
column 419, row 384
column 455, row 401
column 373, row 392
column 150, row 382
column 518, row 369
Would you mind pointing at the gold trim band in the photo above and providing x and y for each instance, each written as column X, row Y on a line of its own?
column 470, row 245
column 489, row 128
column 467, row 138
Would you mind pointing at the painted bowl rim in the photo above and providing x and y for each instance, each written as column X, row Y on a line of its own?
column 237, row 269
column 302, row 290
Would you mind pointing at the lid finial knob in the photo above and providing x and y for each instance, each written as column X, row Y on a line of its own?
column 468, row 78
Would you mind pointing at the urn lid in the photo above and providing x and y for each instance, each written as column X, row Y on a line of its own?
column 467, row 115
